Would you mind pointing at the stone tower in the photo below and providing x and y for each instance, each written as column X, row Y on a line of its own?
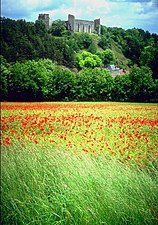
column 97, row 26
column 71, row 22
column 45, row 19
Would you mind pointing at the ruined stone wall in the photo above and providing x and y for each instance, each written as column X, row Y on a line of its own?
column 75, row 25
column 87, row 26
column 83, row 26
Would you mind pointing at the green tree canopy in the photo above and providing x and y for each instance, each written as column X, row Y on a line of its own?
column 94, row 84
column 149, row 57
column 107, row 56
column 58, row 28
column 29, row 80
column 4, row 78
column 87, row 59
column 84, row 40
column 142, row 84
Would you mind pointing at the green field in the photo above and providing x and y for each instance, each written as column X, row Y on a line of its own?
column 79, row 164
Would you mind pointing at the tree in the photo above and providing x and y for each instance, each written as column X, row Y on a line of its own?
column 61, row 84
column 84, row 40
column 107, row 56
column 29, row 80
column 21, row 40
column 121, row 91
column 58, row 28
column 4, row 81
column 134, row 45
column 40, row 28
column 62, row 53
column 103, row 43
column 92, row 48
column 87, row 59
column 142, row 84
column 94, row 84
column 103, row 30
column 149, row 57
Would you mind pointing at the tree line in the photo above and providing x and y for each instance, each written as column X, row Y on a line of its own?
column 43, row 80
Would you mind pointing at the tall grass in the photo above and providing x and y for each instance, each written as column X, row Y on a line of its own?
column 49, row 186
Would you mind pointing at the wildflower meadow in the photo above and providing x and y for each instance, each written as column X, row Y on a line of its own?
column 79, row 163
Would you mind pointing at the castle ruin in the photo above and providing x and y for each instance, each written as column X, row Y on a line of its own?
column 87, row 26
column 75, row 25
column 45, row 18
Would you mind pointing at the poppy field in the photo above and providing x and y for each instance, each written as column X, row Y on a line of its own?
column 79, row 163
column 126, row 132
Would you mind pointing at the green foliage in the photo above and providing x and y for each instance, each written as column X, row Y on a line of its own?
column 94, row 84
column 103, row 30
column 142, row 84
column 61, row 84
column 29, row 80
column 107, row 56
column 133, row 43
column 87, row 59
column 105, row 40
column 62, row 53
column 149, row 57
column 58, row 28
column 103, row 43
column 118, row 36
column 28, row 77
column 92, row 48
column 21, row 40
column 4, row 78
column 84, row 40
column 72, row 43
column 122, row 86
column 42, row 80
column 40, row 28
column 155, row 92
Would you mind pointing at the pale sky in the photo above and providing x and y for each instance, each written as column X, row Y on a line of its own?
column 113, row 13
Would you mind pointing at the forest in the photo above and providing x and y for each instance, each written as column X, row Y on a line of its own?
column 58, row 65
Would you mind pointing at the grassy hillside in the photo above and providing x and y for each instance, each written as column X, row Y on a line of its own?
column 21, row 40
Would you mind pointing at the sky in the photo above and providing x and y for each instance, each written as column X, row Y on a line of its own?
column 112, row 13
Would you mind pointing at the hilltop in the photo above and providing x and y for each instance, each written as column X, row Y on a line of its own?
column 21, row 40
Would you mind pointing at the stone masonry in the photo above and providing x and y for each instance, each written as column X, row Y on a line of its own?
column 75, row 25
column 87, row 26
